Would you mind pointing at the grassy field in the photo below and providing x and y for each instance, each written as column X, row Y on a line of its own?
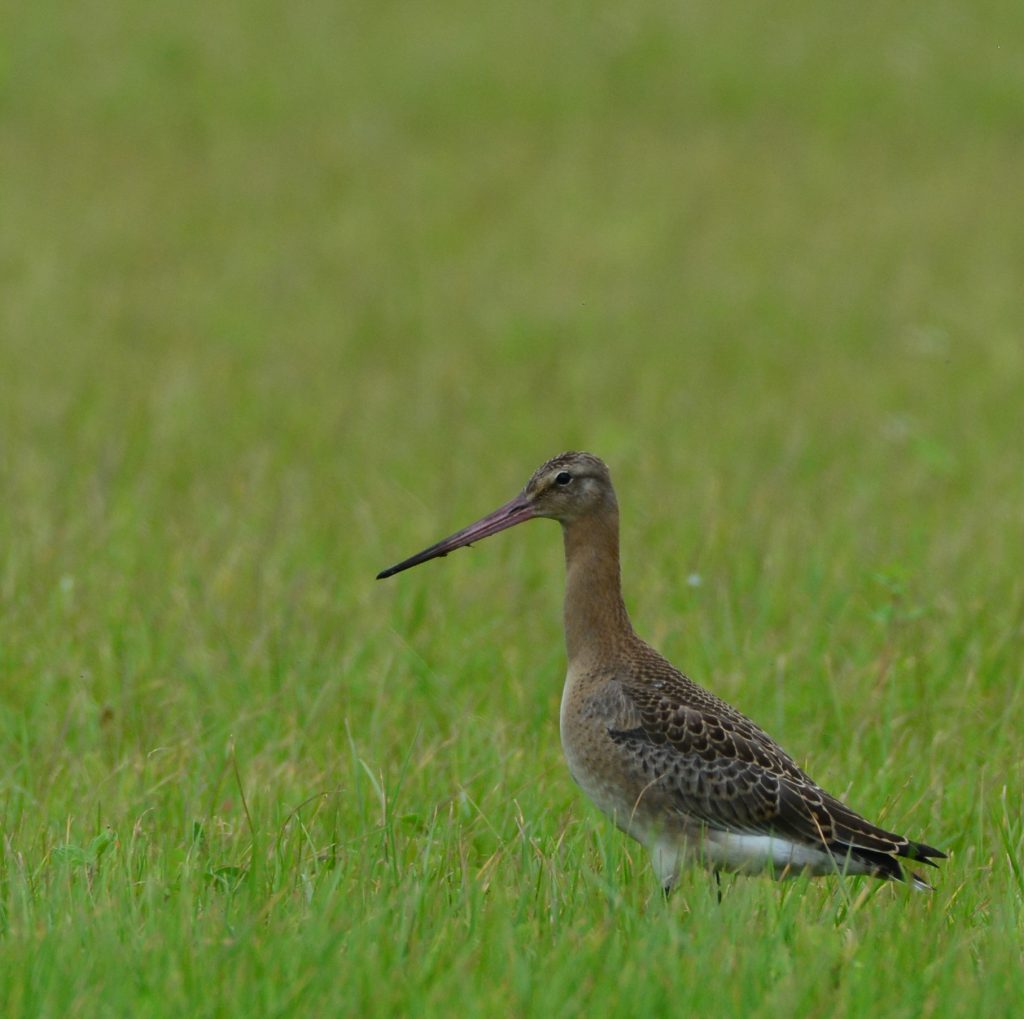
column 291, row 290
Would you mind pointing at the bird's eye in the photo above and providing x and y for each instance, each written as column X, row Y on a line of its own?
column 563, row 478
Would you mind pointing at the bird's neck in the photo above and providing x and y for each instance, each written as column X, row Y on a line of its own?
column 596, row 622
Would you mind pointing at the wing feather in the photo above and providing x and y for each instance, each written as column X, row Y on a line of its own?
column 722, row 770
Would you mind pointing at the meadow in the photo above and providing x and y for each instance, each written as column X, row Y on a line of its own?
column 289, row 291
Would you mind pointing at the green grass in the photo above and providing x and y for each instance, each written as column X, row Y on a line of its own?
column 290, row 291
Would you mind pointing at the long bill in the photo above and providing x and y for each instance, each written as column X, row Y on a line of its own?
column 512, row 513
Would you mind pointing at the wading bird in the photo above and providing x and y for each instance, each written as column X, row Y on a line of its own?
column 674, row 766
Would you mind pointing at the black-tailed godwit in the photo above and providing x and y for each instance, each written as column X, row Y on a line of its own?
column 684, row 773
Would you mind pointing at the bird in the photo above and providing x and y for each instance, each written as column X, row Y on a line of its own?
column 673, row 765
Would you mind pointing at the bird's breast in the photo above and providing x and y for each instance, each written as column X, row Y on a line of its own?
column 591, row 706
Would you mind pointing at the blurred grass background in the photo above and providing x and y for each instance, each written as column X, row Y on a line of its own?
column 290, row 291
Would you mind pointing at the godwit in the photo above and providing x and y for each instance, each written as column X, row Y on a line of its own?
column 684, row 773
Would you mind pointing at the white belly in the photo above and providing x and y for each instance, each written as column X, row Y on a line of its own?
column 745, row 854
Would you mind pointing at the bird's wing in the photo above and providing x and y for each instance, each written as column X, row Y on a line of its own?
column 718, row 768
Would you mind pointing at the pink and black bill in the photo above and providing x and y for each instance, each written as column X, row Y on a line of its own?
column 512, row 513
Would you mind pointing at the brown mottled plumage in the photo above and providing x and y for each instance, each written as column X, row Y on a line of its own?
column 676, row 767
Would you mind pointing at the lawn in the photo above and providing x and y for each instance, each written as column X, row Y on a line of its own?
column 291, row 291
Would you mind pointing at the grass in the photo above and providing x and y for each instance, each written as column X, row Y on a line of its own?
column 291, row 291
